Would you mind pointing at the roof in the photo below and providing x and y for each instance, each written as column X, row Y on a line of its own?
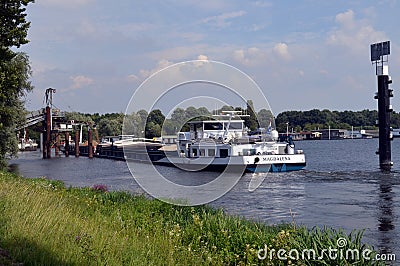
column 215, row 121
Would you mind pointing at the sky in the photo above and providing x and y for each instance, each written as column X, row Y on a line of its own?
column 302, row 54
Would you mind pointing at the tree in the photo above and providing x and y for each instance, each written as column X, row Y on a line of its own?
column 133, row 125
column 202, row 111
column 264, row 117
column 79, row 118
column 169, row 127
column 156, row 117
column 14, row 73
column 154, row 123
column 143, row 115
column 178, row 116
column 251, row 121
column 110, row 127
column 14, row 27
column 153, row 130
column 225, row 108
column 191, row 112
column 14, row 84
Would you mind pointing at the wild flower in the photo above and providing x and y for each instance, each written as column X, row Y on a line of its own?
column 100, row 187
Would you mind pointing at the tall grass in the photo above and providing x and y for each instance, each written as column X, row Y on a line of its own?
column 44, row 223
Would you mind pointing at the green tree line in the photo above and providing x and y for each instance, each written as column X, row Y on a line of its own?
column 317, row 119
column 155, row 124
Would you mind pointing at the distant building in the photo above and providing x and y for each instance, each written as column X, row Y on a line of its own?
column 359, row 134
column 303, row 135
column 353, row 134
column 308, row 135
column 330, row 133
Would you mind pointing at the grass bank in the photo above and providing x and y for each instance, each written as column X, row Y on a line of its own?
column 44, row 223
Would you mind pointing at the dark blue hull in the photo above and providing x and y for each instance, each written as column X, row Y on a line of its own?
column 275, row 168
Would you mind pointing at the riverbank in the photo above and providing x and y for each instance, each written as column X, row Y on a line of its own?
column 44, row 223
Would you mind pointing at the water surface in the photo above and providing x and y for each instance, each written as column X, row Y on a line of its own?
column 341, row 187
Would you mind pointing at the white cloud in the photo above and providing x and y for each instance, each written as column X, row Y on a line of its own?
column 346, row 19
column 262, row 56
column 282, row 50
column 355, row 35
column 255, row 56
column 222, row 21
column 252, row 56
column 80, row 81
column 133, row 77
column 160, row 65
column 202, row 57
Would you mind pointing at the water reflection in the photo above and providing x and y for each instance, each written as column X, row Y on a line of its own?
column 386, row 213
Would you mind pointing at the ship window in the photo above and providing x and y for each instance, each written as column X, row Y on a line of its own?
column 235, row 125
column 248, row 152
column 213, row 126
column 202, row 152
column 211, row 152
column 223, row 153
column 194, row 152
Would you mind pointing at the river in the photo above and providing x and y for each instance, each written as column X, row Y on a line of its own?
column 341, row 187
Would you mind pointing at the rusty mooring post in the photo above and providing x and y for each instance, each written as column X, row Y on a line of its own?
column 48, row 132
column 77, row 143
column 66, row 144
column 90, row 143
column 57, row 146
column 43, row 143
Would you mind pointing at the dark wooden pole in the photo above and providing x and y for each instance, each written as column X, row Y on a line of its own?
column 90, row 144
column 66, row 144
column 43, row 139
column 57, row 147
column 48, row 132
column 77, row 143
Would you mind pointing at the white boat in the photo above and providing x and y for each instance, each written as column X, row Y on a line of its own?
column 27, row 145
column 218, row 144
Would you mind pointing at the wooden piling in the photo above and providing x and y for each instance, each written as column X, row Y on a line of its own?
column 43, row 144
column 90, row 144
column 77, row 143
column 66, row 144
column 48, row 132
column 57, row 146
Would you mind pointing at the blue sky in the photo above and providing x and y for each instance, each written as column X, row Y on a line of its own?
column 303, row 54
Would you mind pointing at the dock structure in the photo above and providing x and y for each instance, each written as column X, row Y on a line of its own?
column 51, row 133
column 55, row 129
column 379, row 56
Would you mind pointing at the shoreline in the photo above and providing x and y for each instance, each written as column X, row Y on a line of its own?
column 52, row 224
